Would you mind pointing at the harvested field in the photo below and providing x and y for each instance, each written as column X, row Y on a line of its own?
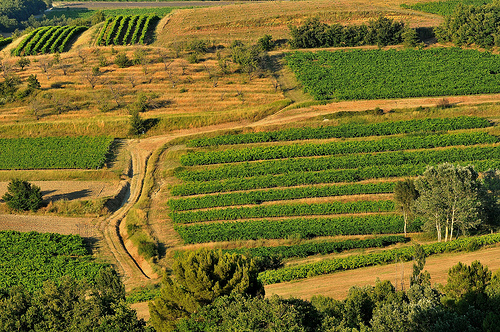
column 71, row 190
column 27, row 223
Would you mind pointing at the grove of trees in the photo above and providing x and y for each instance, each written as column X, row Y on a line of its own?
column 12, row 12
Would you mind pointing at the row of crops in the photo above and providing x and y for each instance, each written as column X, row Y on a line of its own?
column 5, row 41
column 49, row 39
column 374, row 74
column 127, row 30
column 347, row 131
column 29, row 259
column 229, row 193
column 383, row 257
column 54, row 152
column 444, row 8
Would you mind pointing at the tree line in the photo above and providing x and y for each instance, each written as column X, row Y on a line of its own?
column 215, row 291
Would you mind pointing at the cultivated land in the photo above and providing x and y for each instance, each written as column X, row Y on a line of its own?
column 304, row 192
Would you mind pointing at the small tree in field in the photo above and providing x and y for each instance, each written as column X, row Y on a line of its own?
column 405, row 195
column 22, row 195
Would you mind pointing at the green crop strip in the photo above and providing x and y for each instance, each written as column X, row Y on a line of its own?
column 384, row 257
column 334, row 148
column 314, row 248
column 54, row 152
column 328, row 176
column 376, row 74
column 347, row 130
column 302, row 227
column 259, row 196
column 29, row 259
column 282, row 210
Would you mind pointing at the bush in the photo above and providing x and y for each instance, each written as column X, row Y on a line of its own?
column 122, row 61
column 22, row 195
column 266, row 43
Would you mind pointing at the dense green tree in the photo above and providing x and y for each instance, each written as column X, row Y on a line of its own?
column 472, row 25
column 12, row 12
column 450, row 198
column 201, row 277
column 22, row 195
column 405, row 195
column 242, row 313
column 70, row 305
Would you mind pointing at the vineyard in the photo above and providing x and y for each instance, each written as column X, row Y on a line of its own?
column 48, row 40
column 127, row 30
column 54, row 152
column 444, row 8
column 29, row 259
column 279, row 185
column 375, row 74
column 5, row 41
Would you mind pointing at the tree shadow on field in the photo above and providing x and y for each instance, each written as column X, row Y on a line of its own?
column 67, row 196
column 113, row 152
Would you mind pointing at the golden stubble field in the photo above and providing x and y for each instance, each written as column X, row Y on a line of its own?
column 250, row 21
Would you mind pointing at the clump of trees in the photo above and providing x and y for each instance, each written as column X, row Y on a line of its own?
column 469, row 302
column 469, row 25
column 382, row 31
column 200, row 278
column 451, row 200
column 12, row 12
column 70, row 305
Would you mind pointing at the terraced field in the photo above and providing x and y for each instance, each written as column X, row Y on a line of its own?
column 310, row 184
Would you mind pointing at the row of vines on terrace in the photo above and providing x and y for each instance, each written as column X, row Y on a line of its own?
column 48, row 40
column 127, row 30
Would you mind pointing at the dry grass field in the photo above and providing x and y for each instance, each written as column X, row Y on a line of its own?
column 250, row 21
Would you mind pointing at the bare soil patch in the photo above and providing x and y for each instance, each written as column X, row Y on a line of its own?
column 45, row 224
column 70, row 190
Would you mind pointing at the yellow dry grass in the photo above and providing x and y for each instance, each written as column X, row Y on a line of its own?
column 185, row 94
column 250, row 21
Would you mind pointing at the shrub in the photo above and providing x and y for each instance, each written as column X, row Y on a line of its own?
column 122, row 61
column 22, row 195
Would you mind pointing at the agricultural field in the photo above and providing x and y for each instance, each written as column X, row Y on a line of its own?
column 209, row 167
column 48, row 40
column 29, row 259
column 5, row 41
column 54, row 152
column 127, row 30
column 375, row 74
column 444, row 8
column 308, row 185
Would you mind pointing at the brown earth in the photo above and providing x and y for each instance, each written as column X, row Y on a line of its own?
column 70, row 190
column 84, row 227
